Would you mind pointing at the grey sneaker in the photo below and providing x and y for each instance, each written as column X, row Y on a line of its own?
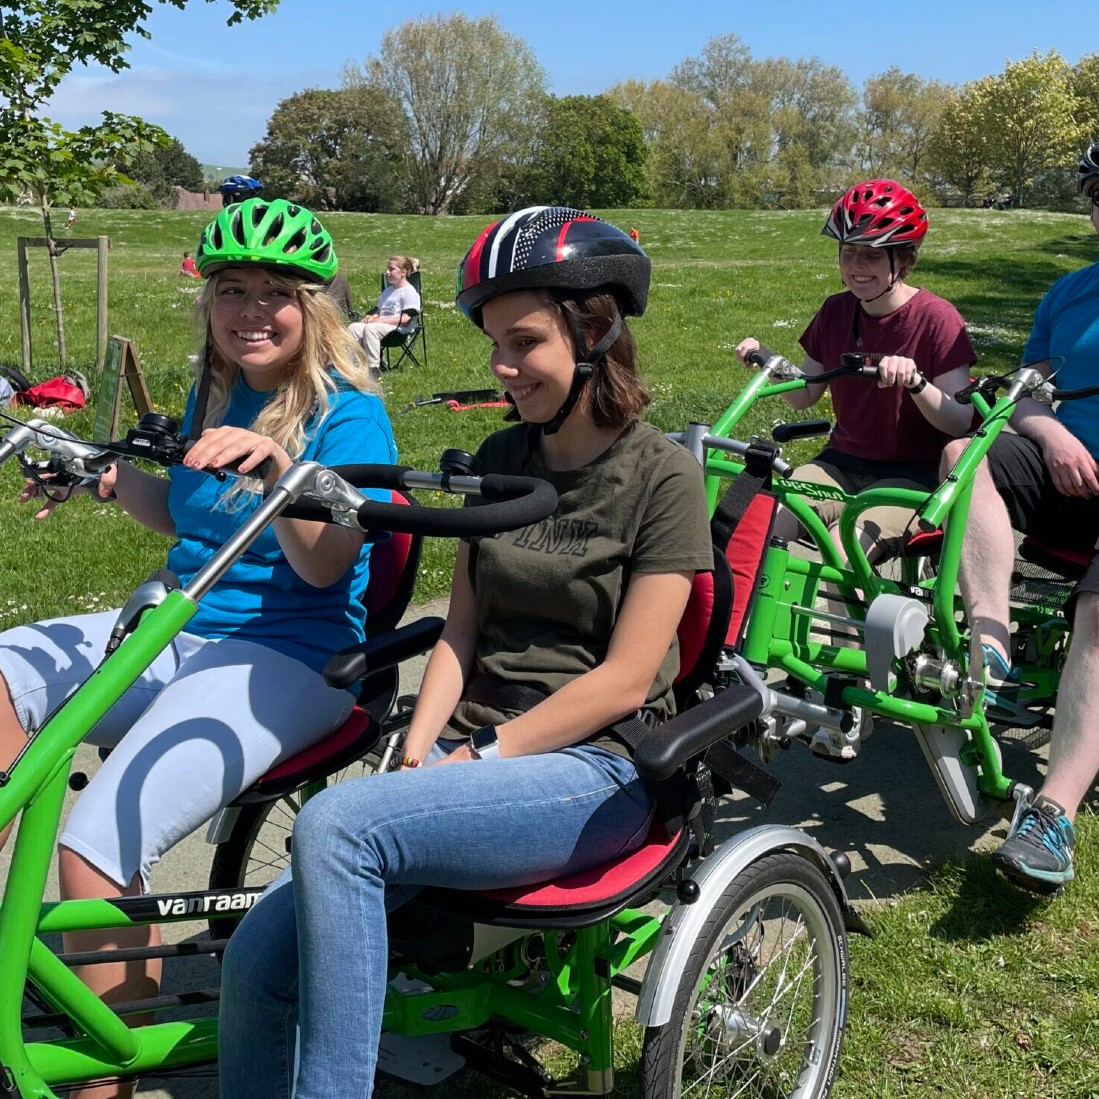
column 1037, row 855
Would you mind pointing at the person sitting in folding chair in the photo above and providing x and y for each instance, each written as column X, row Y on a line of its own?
column 396, row 311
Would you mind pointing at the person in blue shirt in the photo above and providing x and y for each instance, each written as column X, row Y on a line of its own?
column 1044, row 479
column 280, row 379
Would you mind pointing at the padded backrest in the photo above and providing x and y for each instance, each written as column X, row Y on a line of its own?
column 744, row 551
column 393, row 566
column 702, row 628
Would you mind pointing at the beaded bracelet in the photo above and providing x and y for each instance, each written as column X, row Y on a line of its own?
column 408, row 761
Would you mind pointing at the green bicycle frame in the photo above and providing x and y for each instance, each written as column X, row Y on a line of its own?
column 35, row 785
column 784, row 618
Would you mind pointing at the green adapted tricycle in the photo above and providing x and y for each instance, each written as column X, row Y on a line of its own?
column 745, row 989
column 833, row 642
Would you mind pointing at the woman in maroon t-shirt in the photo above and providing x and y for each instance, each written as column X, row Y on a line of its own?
column 891, row 433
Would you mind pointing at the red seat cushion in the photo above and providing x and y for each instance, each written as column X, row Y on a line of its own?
column 356, row 725
column 601, row 884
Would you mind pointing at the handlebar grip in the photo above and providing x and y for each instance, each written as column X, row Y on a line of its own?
column 514, row 502
column 802, row 429
column 232, row 468
column 758, row 356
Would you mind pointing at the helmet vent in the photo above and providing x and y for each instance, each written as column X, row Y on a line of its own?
column 274, row 230
column 216, row 238
column 294, row 243
column 259, row 211
column 236, row 229
column 293, row 210
column 323, row 255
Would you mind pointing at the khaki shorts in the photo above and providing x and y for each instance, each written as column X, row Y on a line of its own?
column 890, row 528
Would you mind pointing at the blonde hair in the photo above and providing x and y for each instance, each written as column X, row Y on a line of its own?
column 408, row 264
column 328, row 353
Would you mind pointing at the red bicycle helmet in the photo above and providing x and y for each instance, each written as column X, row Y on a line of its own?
column 880, row 213
column 1088, row 166
column 552, row 247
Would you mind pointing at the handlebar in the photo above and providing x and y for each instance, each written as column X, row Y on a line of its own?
column 513, row 502
column 698, row 441
column 853, row 364
column 325, row 495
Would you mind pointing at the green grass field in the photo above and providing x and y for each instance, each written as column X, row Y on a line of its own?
column 970, row 989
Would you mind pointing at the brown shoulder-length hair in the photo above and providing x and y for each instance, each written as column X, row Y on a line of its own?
column 615, row 395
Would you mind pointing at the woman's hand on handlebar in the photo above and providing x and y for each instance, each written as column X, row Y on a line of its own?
column 898, row 370
column 36, row 490
column 237, row 447
column 749, row 343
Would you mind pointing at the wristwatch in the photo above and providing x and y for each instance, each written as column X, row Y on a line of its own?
column 484, row 743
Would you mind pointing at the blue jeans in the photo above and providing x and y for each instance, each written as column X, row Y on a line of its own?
column 321, row 941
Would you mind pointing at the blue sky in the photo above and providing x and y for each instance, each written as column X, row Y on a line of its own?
column 214, row 87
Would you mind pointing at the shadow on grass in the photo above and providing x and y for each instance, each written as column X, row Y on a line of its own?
column 983, row 904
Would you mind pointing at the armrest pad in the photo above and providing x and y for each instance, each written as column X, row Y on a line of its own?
column 386, row 651
column 670, row 746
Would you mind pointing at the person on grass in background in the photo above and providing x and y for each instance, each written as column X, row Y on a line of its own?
column 397, row 305
column 892, row 433
column 1044, row 478
column 280, row 379
column 593, row 632
column 188, row 268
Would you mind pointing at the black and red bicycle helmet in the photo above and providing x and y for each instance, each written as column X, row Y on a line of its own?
column 879, row 213
column 1088, row 166
column 557, row 248
column 554, row 248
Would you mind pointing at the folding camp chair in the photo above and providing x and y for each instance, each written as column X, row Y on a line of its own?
column 403, row 343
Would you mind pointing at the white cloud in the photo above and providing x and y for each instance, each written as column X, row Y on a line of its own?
column 218, row 116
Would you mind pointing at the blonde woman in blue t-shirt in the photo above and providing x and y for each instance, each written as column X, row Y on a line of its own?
column 280, row 378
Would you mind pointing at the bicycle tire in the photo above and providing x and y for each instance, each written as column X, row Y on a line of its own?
column 258, row 847
column 737, row 1018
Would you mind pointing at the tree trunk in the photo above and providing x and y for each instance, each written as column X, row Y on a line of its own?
column 55, row 277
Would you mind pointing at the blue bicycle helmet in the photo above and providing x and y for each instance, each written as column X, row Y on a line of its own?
column 238, row 189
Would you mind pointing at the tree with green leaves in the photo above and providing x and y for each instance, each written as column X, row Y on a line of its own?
column 685, row 153
column 1085, row 86
column 958, row 151
column 900, row 114
column 155, row 176
column 589, row 152
column 41, row 42
column 469, row 93
column 335, row 150
column 1031, row 118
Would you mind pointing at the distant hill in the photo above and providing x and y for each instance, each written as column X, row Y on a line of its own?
column 220, row 171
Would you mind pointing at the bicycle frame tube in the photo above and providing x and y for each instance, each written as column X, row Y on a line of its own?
column 35, row 783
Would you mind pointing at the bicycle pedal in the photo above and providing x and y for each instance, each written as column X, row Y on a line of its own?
column 823, row 745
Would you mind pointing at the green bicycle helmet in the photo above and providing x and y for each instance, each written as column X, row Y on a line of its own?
column 271, row 233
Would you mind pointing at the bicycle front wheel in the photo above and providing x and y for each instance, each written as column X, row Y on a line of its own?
column 760, row 1005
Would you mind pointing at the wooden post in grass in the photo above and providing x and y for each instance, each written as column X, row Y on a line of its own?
column 101, row 245
column 24, row 305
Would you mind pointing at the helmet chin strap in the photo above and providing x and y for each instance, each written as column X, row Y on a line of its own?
column 584, row 370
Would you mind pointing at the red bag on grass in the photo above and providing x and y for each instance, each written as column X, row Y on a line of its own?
column 63, row 392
